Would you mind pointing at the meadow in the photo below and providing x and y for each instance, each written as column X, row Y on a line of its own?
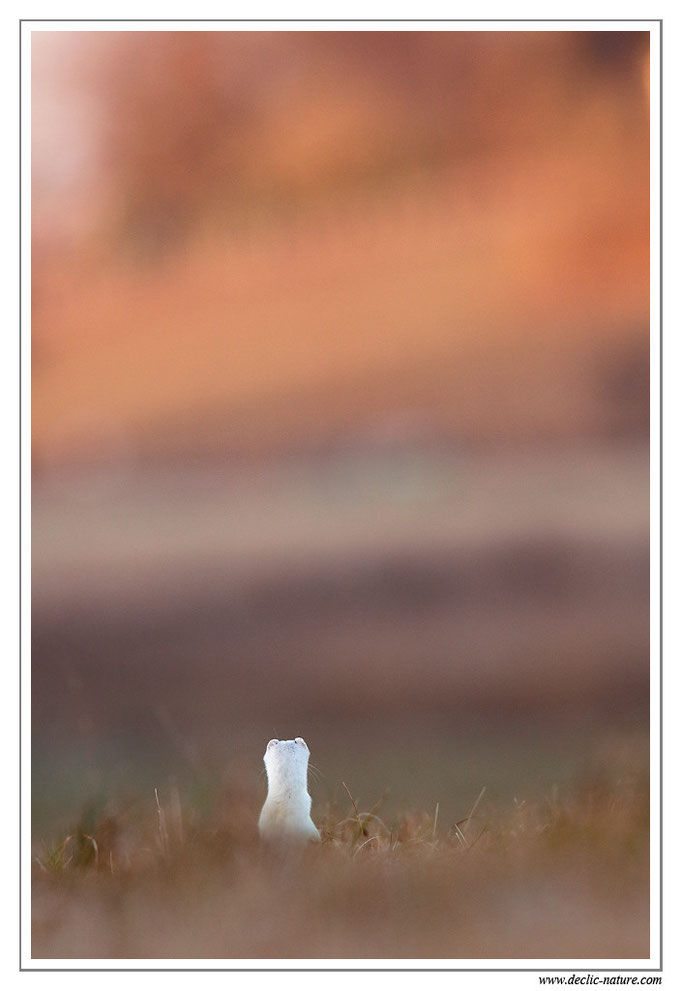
column 563, row 876
column 482, row 692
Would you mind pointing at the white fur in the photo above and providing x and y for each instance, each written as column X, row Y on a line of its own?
column 286, row 813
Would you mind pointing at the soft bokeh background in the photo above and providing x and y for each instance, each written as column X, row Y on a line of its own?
column 340, row 412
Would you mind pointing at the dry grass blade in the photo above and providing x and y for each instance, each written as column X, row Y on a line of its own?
column 94, row 846
column 359, row 821
column 362, row 816
column 474, row 807
column 357, row 814
column 364, row 844
column 163, row 832
column 371, row 815
column 484, row 830
column 460, row 836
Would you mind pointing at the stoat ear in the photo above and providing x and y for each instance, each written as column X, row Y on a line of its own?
column 271, row 744
column 301, row 741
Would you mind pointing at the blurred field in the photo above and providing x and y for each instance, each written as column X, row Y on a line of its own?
column 565, row 877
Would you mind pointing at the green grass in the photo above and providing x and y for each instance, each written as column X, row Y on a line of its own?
column 563, row 877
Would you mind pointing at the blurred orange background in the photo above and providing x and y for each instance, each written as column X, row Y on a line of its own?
column 340, row 395
column 262, row 240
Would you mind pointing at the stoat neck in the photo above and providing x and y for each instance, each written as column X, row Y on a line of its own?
column 288, row 778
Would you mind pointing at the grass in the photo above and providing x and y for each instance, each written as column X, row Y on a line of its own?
column 563, row 877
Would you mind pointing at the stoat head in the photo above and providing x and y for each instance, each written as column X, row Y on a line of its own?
column 286, row 762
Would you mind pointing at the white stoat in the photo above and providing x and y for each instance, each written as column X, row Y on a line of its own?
column 286, row 813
